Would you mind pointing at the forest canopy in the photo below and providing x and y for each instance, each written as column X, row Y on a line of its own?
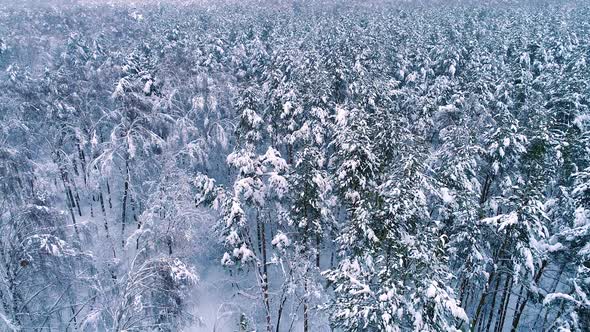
column 295, row 166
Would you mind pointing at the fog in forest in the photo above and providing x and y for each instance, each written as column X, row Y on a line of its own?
column 294, row 165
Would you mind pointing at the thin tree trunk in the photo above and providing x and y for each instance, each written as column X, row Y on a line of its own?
column 264, row 273
column 484, row 294
column 462, row 291
column 553, row 288
column 289, row 154
column 332, row 258
column 101, row 200
column 259, row 236
column 498, row 316
column 495, row 295
column 482, row 301
column 82, row 158
column 70, row 203
column 318, row 248
column 16, row 298
column 280, row 311
column 69, row 191
column 480, row 324
column 138, row 222
column 520, row 309
column 77, row 198
column 75, row 167
column 463, row 297
column 557, row 316
column 265, row 279
column 92, row 206
column 6, row 305
column 109, row 194
column 519, row 300
column 484, row 192
column 73, row 310
column 506, row 301
column 106, row 223
column 307, row 245
column 305, row 310
column 124, row 203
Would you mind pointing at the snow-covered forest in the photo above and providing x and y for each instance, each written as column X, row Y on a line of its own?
column 295, row 166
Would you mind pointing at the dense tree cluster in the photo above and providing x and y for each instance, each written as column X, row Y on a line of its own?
column 365, row 166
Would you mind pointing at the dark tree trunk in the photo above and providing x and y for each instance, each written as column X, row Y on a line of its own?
column 262, row 270
column 482, row 301
column 520, row 309
column 82, row 158
column 519, row 300
column 77, row 199
column 138, row 222
column 553, row 288
column 70, row 202
column 305, row 310
column 505, row 301
column 124, row 203
column 484, row 294
column 265, row 279
column 106, row 223
column 318, row 248
column 92, row 206
column 109, row 194
column 493, row 305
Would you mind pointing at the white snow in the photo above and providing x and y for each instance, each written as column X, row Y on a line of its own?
column 581, row 217
column 492, row 220
column 136, row 16
column 386, row 318
column 544, row 246
column 508, row 220
column 120, row 88
column 8, row 323
column 281, row 241
column 243, row 253
column 446, row 196
column 131, row 146
column 528, row 256
column 456, row 311
column 286, row 109
column 447, row 108
column 226, row 259
column 371, row 234
column 232, row 238
column 273, row 157
column 147, row 88
column 212, row 102
column 279, row 184
column 452, row 70
column 431, row 291
column 418, row 322
column 496, row 167
column 580, row 120
column 198, row 102
column 341, row 116
column 181, row 272
column 322, row 183
column 554, row 296
column 362, row 288
column 235, row 212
